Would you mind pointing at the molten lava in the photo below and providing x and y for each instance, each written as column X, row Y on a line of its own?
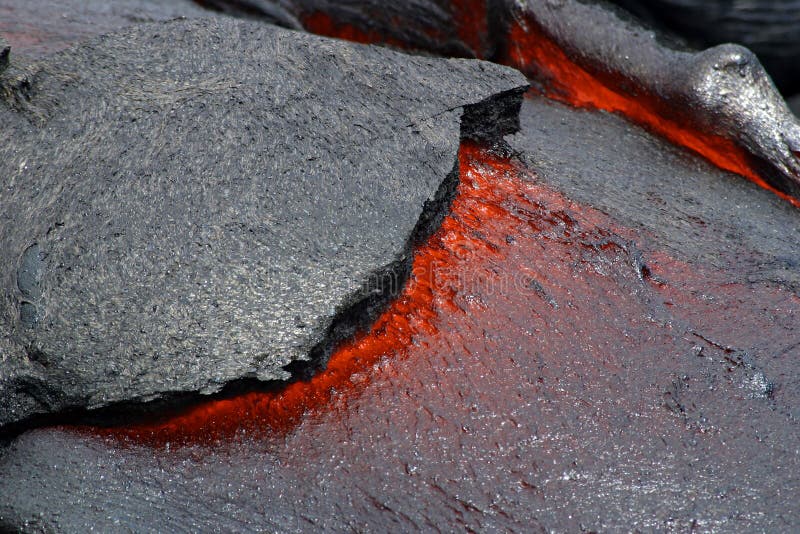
column 321, row 23
column 486, row 180
column 533, row 52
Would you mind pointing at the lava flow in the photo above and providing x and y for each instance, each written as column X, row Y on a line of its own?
column 506, row 264
column 485, row 179
column 532, row 51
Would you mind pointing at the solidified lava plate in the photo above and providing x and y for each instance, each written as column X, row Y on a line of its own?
column 173, row 224
column 600, row 335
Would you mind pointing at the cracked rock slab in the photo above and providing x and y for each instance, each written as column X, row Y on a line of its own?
column 190, row 203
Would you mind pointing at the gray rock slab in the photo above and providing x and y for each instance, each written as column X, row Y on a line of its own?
column 190, row 203
column 36, row 28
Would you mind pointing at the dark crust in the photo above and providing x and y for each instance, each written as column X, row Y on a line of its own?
column 487, row 121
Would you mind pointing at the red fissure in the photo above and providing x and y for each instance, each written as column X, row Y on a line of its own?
column 487, row 181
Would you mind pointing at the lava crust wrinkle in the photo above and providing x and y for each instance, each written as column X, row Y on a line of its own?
column 212, row 200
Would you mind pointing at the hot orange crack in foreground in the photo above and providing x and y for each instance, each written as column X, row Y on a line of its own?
column 486, row 180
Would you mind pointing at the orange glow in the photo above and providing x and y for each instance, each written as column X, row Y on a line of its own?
column 410, row 315
column 538, row 56
column 471, row 24
column 321, row 23
column 471, row 29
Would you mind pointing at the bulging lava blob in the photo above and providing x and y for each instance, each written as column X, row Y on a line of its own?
column 561, row 78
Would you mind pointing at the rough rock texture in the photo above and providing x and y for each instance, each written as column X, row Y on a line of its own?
column 630, row 382
column 39, row 27
column 191, row 203
column 771, row 28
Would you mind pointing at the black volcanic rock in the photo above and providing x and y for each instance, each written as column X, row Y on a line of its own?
column 5, row 50
column 36, row 28
column 190, row 203
column 428, row 25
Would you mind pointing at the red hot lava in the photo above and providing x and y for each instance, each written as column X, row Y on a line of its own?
column 487, row 180
column 504, row 265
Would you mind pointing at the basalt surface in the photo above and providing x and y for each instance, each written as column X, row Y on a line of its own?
column 39, row 27
column 190, row 203
column 547, row 367
column 600, row 336
column 694, row 211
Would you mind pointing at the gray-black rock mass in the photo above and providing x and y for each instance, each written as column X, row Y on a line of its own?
column 190, row 203
column 600, row 335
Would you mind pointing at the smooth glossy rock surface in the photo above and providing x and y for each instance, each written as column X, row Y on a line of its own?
column 771, row 28
column 195, row 202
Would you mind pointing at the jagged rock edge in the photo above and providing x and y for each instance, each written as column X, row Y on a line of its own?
column 487, row 121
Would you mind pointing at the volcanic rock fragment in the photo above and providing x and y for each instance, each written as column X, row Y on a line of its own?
column 190, row 203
